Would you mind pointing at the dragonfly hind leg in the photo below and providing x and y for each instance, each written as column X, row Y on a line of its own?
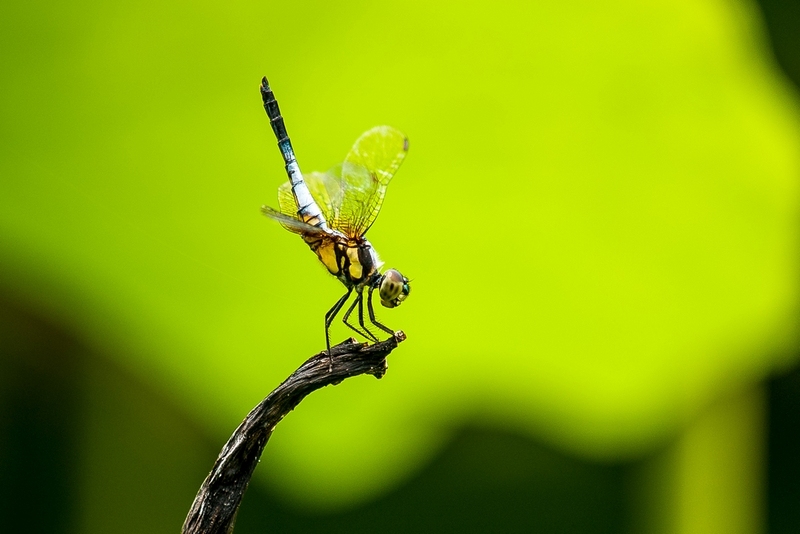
column 365, row 333
column 372, row 314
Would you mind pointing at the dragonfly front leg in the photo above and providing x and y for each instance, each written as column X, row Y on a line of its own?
column 372, row 314
column 331, row 315
column 358, row 300
column 361, row 319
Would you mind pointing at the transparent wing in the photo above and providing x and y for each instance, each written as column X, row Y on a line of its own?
column 293, row 224
column 286, row 201
column 323, row 187
column 362, row 179
column 326, row 190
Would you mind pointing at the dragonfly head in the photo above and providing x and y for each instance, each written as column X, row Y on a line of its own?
column 393, row 288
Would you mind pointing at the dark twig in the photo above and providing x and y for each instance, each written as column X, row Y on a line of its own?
column 214, row 509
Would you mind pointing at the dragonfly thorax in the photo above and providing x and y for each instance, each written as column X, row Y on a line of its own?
column 352, row 260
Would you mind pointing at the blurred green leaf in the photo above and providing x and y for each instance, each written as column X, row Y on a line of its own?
column 598, row 212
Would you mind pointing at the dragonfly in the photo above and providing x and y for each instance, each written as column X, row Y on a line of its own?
column 333, row 211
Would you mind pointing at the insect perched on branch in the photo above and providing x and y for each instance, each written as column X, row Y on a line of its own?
column 332, row 212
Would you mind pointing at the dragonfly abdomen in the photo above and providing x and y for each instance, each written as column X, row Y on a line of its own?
column 307, row 208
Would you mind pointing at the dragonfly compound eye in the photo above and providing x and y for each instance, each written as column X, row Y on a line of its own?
column 393, row 289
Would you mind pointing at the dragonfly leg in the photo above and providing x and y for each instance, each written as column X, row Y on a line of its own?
column 329, row 319
column 357, row 300
column 361, row 320
column 372, row 314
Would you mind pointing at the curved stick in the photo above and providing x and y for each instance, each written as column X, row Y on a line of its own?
column 215, row 506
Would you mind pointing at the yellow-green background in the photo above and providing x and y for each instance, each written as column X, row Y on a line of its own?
column 598, row 213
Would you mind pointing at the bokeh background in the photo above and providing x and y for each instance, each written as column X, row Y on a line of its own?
column 599, row 214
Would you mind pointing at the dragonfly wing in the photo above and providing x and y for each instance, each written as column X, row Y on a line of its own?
column 286, row 201
column 293, row 224
column 327, row 191
column 324, row 189
column 364, row 176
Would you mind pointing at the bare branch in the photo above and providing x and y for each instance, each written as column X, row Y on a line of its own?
column 214, row 509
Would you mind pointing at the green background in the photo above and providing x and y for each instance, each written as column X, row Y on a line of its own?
column 598, row 213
